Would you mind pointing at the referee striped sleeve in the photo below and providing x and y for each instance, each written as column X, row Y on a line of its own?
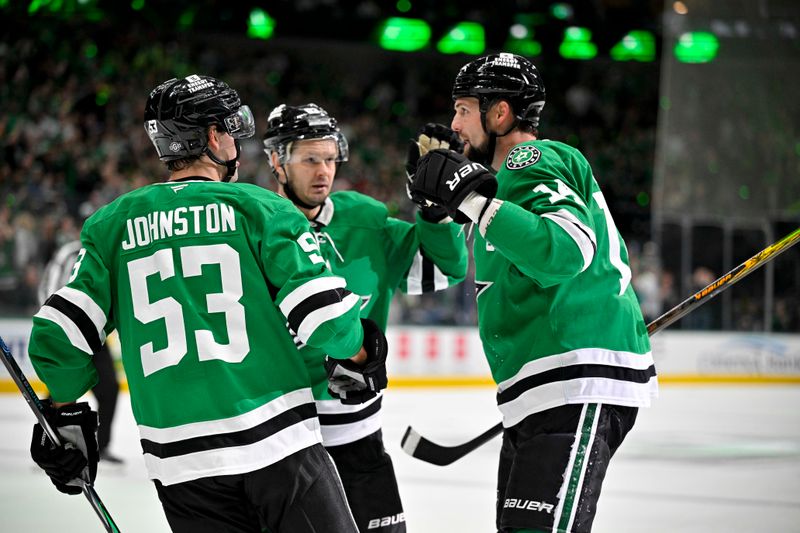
column 81, row 319
column 315, row 302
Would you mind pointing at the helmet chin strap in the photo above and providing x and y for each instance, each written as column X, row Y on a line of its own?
column 487, row 157
column 291, row 195
column 230, row 165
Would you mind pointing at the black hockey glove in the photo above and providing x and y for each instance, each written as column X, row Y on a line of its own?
column 430, row 137
column 446, row 178
column 352, row 383
column 78, row 455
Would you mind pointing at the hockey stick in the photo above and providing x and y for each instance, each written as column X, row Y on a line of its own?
column 38, row 409
column 418, row 446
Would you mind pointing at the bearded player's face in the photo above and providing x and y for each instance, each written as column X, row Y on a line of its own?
column 467, row 123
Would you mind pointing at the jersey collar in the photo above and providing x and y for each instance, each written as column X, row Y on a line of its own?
column 325, row 214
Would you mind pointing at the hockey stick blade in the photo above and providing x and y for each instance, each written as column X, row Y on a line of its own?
column 418, row 446
column 38, row 410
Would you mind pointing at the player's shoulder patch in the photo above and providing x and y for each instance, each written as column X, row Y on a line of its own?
column 522, row 156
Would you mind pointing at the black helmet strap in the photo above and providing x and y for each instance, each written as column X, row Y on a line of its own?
column 230, row 164
column 289, row 190
column 488, row 157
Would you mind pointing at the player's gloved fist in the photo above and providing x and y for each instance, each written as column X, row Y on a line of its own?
column 78, row 455
column 354, row 383
column 430, row 137
column 446, row 178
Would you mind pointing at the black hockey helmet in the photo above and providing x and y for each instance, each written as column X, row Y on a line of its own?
column 287, row 124
column 179, row 111
column 507, row 76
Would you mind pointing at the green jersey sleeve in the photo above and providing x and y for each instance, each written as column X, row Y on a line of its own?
column 72, row 326
column 546, row 229
column 319, row 309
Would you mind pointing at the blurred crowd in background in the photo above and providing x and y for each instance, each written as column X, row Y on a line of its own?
column 72, row 137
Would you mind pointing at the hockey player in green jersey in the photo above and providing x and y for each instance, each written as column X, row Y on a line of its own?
column 376, row 254
column 560, row 324
column 200, row 278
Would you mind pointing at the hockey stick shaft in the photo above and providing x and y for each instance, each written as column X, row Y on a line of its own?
column 418, row 446
column 38, row 410
column 720, row 284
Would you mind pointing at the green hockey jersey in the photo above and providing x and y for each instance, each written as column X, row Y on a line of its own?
column 557, row 315
column 377, row 254
column 201, row 279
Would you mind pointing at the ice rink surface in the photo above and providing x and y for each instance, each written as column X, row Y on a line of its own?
column 702, row 459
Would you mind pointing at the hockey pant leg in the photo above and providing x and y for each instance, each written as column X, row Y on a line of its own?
column 299, row 494
column 370, row 484
column 552, row 466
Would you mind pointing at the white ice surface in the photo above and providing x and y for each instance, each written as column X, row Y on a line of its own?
column 703, row 459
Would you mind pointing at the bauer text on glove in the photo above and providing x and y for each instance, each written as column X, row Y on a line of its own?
column 447, row 178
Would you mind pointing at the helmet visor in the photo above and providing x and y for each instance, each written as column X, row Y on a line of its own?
column 241, row 124
column 337, row 152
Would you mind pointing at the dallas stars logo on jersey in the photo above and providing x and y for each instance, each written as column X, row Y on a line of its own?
column 522, row 156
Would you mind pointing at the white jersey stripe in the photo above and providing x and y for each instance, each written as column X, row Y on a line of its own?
column 65, row 323
column 583, row 235
column 414, row 280
column 236, row 459
column 241, row 422
column 316, row 318
column 598, row 356
column 439, row 279
column 308, row 289
column 92, row 310
column 338, row 434
column 578, row 390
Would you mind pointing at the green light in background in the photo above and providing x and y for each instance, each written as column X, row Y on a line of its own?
column 797, row 148
column 90, row 50
column 101, row 98
column 404, row 34
column 399, row 109
column 561, row 11
column 3, row 3
column 520, row 35
column 464, row 38
column 637, row 45
column 696, row 47
column 744, row 192
column 273, row 78
column 577, row 44
column 523, row 46
column 34, row 6
column 403, row 6
column 186, row 19
column 665, row 103
column 260, row 25
column 137, row 5
column 643, row 199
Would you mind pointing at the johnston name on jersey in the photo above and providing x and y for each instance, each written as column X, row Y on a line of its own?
column 377, row 254
column 200, row 279
column 558, row 318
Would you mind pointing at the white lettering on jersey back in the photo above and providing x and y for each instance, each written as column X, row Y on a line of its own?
column 197, row 220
